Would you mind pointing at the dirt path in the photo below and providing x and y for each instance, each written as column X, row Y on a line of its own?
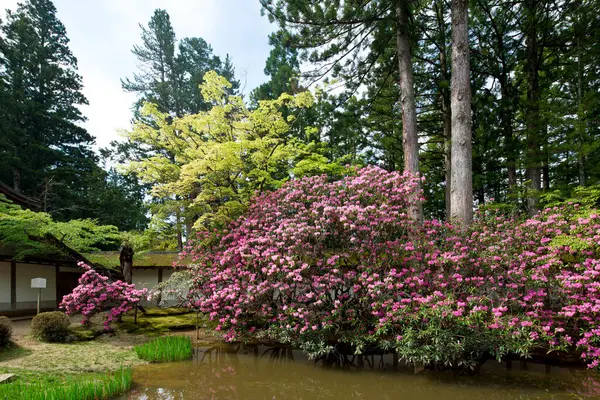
column 22, row 326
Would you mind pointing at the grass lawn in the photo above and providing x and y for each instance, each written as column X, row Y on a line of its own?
column 65, row 367
column 104, row 353
column 42, row 364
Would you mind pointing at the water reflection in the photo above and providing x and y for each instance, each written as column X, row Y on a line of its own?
column 260, row 372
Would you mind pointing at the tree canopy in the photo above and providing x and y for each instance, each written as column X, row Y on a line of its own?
column 204, row 167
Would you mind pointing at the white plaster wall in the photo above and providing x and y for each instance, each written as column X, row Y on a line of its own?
column 167, row 273
column 4, row 282
column 26, row 272
column 145, row 278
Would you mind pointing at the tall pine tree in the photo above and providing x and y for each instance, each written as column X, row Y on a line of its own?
column 47, row 153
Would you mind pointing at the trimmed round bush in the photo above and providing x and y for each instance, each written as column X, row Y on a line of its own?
column 5, row 331
column 51, row 326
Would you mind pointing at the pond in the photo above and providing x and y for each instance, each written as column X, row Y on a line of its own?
column 258, row 372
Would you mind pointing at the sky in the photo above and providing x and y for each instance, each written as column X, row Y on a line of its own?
column 103, row 32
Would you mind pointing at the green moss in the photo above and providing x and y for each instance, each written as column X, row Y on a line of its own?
column 158, row 321
column 141, row 259
column 161, row 312
column 82, row 333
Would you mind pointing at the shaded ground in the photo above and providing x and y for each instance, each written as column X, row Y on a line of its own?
column 105, row 352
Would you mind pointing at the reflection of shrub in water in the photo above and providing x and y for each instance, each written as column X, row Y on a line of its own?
column 239, row 371
column 588, row 386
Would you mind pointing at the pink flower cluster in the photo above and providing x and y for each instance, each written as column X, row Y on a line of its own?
column 319, row 261
column 96, row 293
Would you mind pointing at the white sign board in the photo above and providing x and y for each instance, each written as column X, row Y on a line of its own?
column 38, row 283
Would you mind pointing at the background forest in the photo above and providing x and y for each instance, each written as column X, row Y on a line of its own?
column 338, row 94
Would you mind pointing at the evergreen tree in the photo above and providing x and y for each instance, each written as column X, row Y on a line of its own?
column 48, row 154
column 461, row 192
column 343, row 38
column 195, row 58
column 282, row 67
column 157, row 82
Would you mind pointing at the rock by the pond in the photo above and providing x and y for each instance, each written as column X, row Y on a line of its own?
column 4, row 378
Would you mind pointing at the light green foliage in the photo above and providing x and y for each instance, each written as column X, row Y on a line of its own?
column 207, row 165
column 26, row 231
column 85, row 234
column 573, row 242
column 159, row 236
column 587, row 196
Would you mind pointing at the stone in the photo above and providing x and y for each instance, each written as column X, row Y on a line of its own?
column 4, row 378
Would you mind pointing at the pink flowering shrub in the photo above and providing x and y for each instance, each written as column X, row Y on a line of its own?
column 96, row 293
column 318, row 264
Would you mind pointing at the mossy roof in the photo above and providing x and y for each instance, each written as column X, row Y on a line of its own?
column 140, row 260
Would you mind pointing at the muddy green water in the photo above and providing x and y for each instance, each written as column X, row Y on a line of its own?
column 235, row 372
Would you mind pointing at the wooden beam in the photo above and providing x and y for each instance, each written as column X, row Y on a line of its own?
column 13, row 284
column 57, row 274
column 160, row 279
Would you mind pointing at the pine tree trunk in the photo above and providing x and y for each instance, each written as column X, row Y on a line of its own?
column 461, row 184
column 580, row 117
column 532, row 111
column 17, row 173
column 410, row 139
column 445, row 99
column 16, row 179
column 447, row 158
column 506, row 118
column 545, row 162
column 179, row 229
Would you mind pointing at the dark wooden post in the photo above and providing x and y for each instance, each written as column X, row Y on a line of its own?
column 57, row 275
column 126, row 260
column 160, row 279
column 13, row 284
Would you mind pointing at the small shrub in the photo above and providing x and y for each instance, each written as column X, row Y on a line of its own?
column 50, row 326
column 5, row 331
column 166, row 348
column 91, row 387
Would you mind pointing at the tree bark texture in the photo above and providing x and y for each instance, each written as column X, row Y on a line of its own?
column 126, row 260
column 410, row 138
column 461, row 184
column 445, row 102
column 533, row 168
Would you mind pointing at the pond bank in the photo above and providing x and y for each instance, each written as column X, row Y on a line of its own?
column 38, row 363
column 259, row 372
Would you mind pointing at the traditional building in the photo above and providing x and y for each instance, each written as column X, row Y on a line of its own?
column 16, row 295
column 149, row 268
